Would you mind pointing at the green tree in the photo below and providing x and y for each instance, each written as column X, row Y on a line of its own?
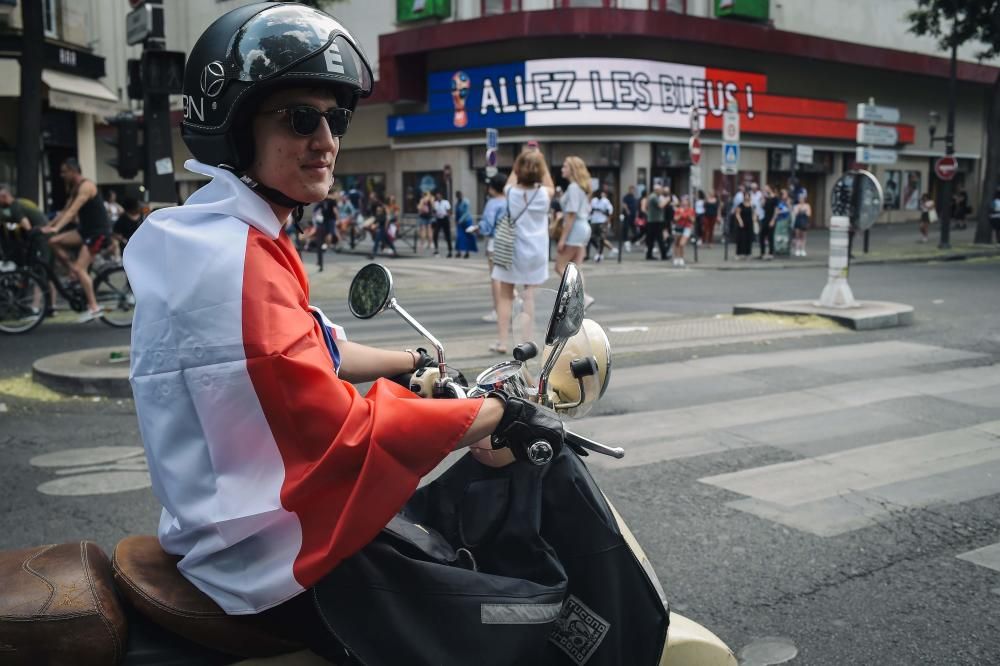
column 29, row 108
column 954, row 23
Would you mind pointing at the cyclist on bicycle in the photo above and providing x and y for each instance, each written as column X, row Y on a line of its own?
column 93, row 231
column 20, row 222
column 270, row 465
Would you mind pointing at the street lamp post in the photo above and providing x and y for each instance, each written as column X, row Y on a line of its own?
column 945, row 199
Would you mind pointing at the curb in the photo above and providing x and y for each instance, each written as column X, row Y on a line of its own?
column 84, row 372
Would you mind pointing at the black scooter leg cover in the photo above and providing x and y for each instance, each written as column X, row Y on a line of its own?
column 399, row 601
column 556, row 583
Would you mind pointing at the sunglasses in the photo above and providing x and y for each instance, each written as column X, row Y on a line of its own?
column 305, row 119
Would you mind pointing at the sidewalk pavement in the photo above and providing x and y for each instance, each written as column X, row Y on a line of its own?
column 888, row 243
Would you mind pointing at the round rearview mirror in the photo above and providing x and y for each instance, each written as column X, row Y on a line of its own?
column 371, row 291
column 567, row 313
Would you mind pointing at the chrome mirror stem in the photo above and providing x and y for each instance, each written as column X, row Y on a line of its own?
column 393, row 305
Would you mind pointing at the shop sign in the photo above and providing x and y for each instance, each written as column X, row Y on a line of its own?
column 618, row 92
column 803, row 154
column 579, row 91
column 417, row 10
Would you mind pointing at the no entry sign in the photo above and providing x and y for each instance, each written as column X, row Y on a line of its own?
column 695, row 149
column 946, row 167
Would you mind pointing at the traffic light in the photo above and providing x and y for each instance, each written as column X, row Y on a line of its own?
column 162, row 72
column 134, row 86
column 128, row 160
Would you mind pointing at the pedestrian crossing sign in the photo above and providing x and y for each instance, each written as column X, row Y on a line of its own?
column 730, row 154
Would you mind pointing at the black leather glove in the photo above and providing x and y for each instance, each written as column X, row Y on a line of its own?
column 423, row 359
column 532, row 433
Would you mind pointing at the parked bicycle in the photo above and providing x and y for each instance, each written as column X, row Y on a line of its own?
column 25, row 297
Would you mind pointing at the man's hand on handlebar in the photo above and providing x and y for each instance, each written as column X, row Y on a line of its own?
column 532, row 433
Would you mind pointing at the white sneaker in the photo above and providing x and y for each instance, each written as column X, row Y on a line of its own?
column 628, row 246
column 90, row 315
column 491, row 317
column 599, row 258
column 680, row 262
column 614, row 251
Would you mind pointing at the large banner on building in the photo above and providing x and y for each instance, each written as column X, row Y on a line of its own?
column 617, row 92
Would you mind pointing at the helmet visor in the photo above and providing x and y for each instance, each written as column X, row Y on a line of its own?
column 282, row 36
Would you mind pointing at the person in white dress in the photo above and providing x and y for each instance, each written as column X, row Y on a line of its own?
column 528, row 192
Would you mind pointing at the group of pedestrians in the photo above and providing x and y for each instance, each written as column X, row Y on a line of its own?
column 347, row 217
column 759, row 214
column 434, row 212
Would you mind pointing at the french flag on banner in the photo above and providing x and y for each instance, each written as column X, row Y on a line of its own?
column 271, row 470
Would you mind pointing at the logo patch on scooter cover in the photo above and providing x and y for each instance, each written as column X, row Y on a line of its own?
column 579, row 630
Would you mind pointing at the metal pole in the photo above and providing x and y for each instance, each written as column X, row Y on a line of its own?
column 621, row 236
column 944, row 214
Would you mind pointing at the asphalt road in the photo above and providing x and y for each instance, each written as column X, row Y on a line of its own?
column 823, row 490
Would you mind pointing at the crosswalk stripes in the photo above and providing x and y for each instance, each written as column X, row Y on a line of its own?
column 987, row 556
column 866, row 452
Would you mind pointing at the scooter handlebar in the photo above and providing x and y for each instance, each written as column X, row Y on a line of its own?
column 579, row 440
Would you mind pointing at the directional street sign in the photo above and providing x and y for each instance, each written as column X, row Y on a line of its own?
column 946, row 167
column 492, row 138
column 695, row 177
column 867, row 155
column 877, row 135
column 879, row 114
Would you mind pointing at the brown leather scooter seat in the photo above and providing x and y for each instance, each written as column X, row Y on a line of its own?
column 148, row 579
column 58, row 607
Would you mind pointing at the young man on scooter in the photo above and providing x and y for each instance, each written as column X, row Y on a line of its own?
column 271, row 467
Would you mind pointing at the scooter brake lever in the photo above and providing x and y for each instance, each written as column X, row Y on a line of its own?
column 581, row 442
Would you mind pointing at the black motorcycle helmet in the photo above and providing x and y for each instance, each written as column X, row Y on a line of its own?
column 249, row 53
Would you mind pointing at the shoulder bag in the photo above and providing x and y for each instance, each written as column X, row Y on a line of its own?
column 503, row 243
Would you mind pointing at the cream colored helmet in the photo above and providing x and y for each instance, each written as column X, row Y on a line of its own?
column 564, row 388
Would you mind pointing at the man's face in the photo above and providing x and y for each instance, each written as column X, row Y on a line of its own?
column 301, row 167
column 6, row 198
column 68, row 175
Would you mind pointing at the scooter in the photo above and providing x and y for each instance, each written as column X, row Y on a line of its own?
column 69, row 604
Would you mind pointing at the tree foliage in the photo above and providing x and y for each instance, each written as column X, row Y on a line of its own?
column 955, row 22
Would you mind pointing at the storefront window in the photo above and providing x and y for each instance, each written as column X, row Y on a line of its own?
column 679, row 6
column 360, row 186
column 493, row 7
column 415, row 183
column 50, row 17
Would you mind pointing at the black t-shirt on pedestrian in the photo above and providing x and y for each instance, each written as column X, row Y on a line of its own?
column 125, row 225
column 770, row 205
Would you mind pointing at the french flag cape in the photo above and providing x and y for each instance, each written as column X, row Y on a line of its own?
column 271, row 470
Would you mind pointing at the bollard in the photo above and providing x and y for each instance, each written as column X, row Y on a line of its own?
column 837, row 293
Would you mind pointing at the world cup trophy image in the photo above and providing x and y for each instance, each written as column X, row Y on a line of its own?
column 460, row 85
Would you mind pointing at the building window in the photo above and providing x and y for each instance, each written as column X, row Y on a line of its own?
column 679, row 6
column 494, row 7
column 586, row 3
column 50, row 17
